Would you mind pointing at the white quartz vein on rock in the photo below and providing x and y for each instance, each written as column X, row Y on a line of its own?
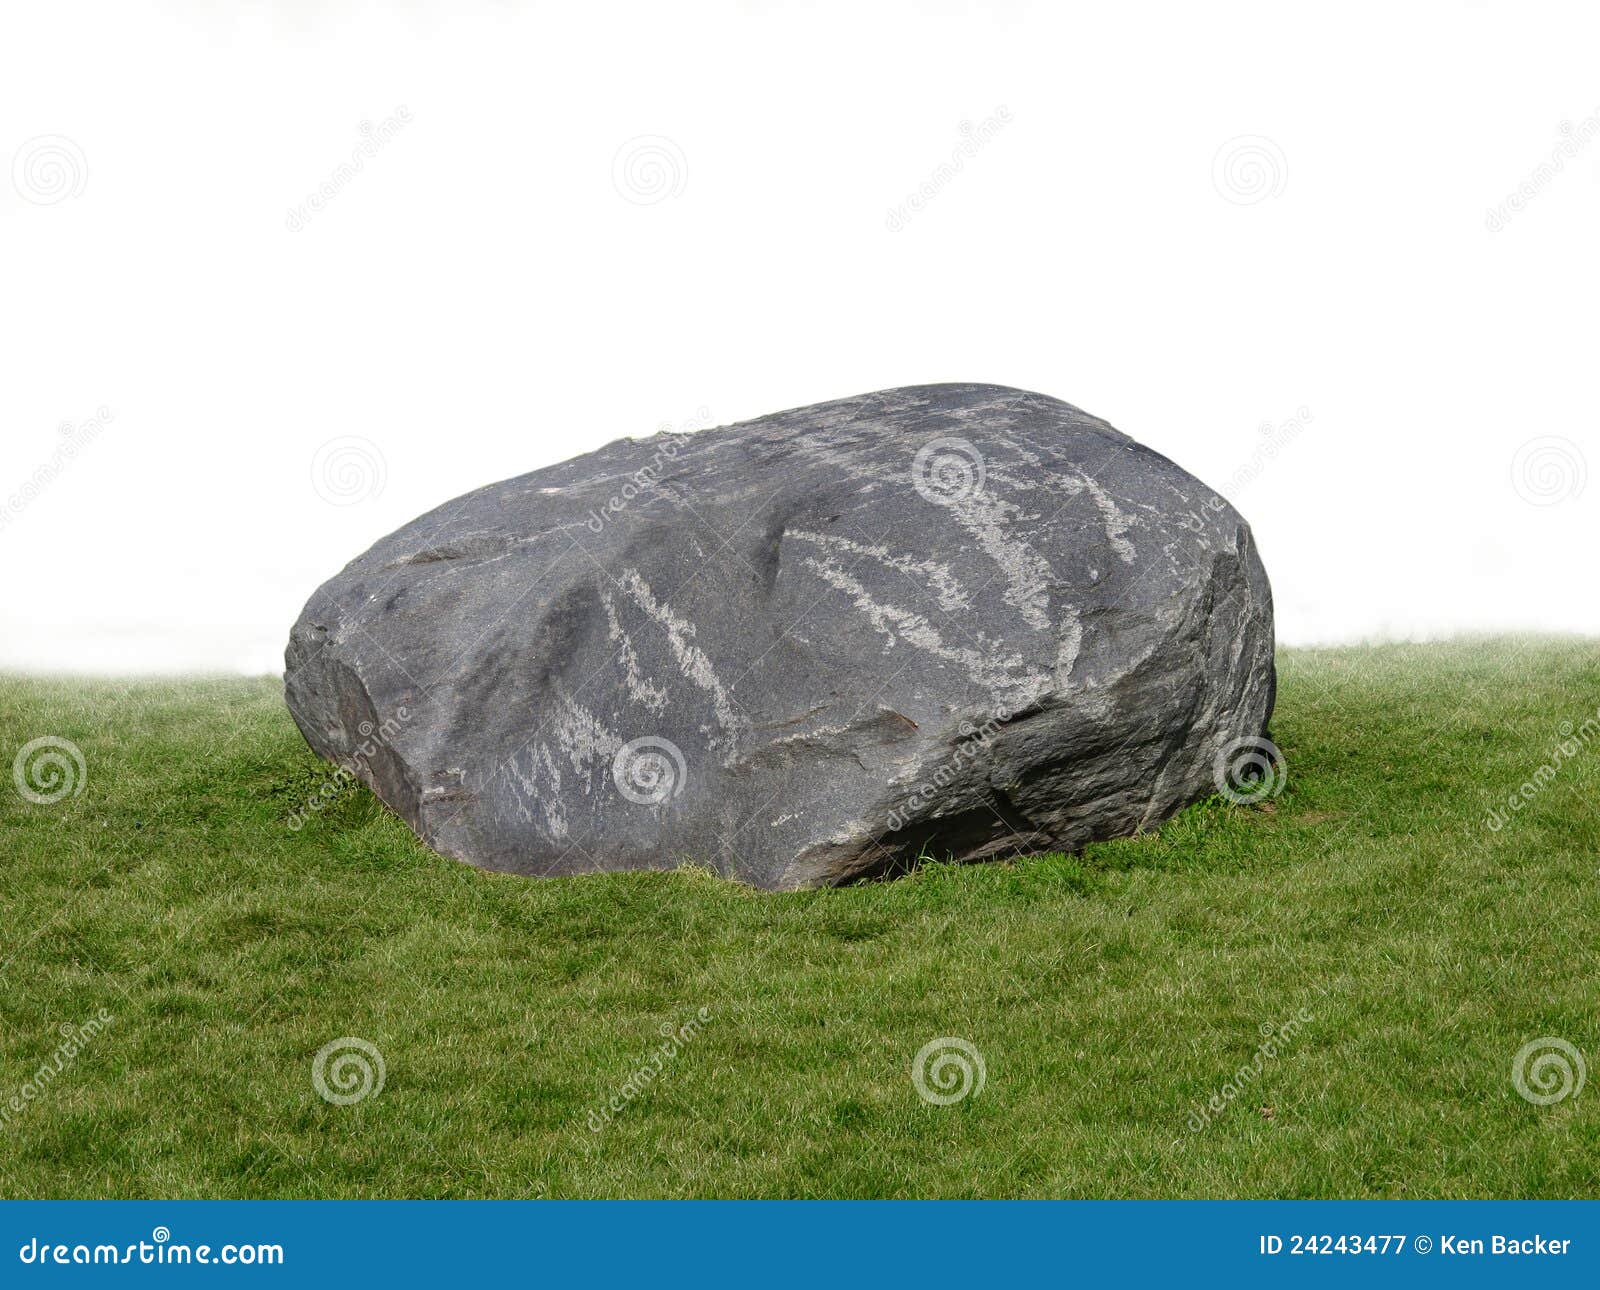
column 985, row 669
column 538, row 792
column 583, row 737
column 1116, row 521
column 640, row 689
column 692, row 660
column 1027, row 573
column 943, row 581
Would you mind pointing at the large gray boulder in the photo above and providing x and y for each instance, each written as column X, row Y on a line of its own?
column 946, row 620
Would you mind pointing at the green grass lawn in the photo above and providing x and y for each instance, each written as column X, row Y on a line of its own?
column 1111, row 995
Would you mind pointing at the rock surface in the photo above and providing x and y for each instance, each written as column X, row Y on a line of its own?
column 949, row 620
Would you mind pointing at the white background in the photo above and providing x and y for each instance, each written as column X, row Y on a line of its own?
column 495, row 291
